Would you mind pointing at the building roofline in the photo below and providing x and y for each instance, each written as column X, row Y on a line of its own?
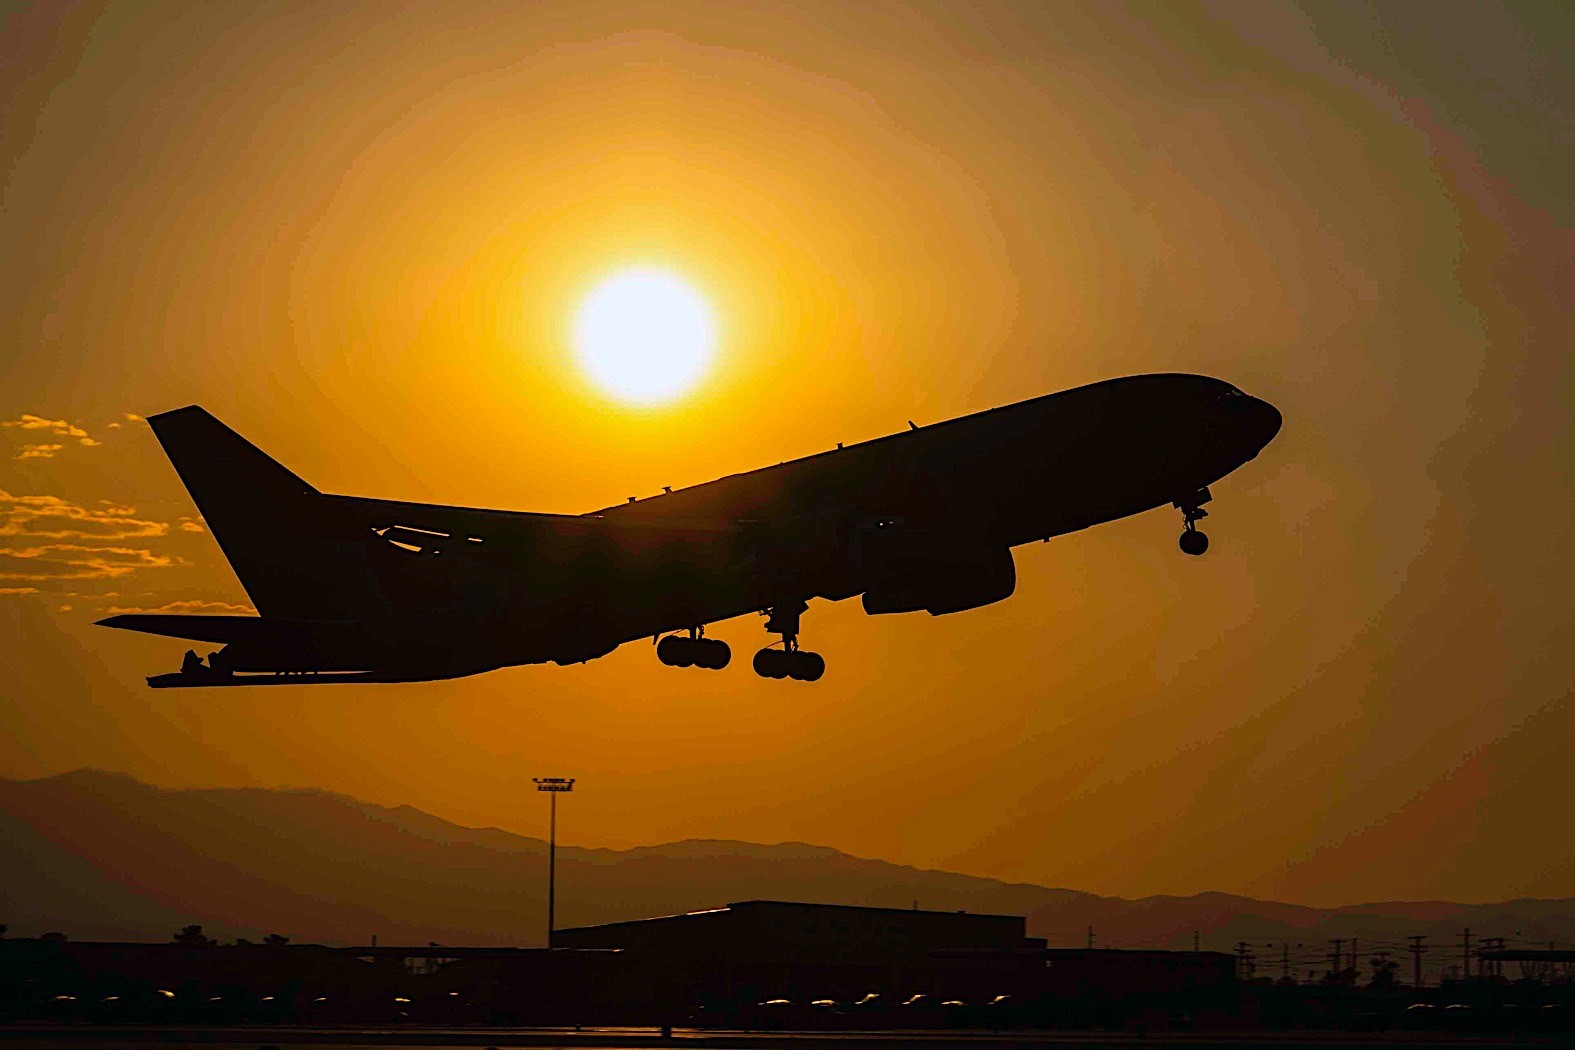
column 735, row 905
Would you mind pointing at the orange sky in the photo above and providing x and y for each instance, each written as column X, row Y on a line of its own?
column 357, row 235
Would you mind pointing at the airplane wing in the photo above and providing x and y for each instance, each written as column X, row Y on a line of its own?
column 433, row 526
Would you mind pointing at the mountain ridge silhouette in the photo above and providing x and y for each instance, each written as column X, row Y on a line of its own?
column 101, row 855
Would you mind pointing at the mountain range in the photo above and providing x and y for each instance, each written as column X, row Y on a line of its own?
column 100, row 855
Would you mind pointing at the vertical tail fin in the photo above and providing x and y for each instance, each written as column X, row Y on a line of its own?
column 271, row 525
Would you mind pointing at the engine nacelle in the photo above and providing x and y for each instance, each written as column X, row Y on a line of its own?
column 964, row 580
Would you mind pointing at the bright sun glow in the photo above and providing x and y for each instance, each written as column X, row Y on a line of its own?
column 644, row 335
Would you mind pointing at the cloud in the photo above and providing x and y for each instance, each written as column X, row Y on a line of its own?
column 18, row 590
column 28, row 421
column 186, row 606
column 52, row 518
column 70, row 561
column 132, row 417
column 54, row 427
column 191, row 525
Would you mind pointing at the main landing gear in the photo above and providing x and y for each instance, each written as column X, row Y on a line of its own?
column 1193, row 541
column 693, row 651
column 789, row 661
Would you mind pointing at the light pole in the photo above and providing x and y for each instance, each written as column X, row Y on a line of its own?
column 554, row 785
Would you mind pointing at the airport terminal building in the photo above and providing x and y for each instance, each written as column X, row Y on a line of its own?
column 754, row 952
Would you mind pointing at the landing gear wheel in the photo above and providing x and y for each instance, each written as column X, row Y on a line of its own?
column 807, row 667
column 789, row 661
column 773, row 663
column 675, row 651
column 1192, row 541
column 695, row 651
column 713, row 654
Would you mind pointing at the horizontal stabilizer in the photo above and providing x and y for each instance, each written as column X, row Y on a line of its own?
column 209, row 680
column 224, row 629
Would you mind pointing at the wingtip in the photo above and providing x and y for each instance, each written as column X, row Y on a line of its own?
column 183, row 410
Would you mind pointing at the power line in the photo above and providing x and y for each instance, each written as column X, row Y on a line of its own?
column 1243, row 961
column 1417, row 949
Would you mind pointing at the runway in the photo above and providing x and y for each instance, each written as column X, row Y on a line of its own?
column 82, row 1037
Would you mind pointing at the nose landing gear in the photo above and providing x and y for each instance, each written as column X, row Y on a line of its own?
column 1193, row 540
column 694, row 651
column 789, row 661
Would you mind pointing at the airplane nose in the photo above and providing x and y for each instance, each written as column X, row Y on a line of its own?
column 1265, row 420
column 1255, row 419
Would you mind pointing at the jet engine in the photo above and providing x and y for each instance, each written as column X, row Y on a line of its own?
column 948, row 583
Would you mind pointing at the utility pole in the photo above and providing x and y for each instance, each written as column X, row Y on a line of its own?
column 1356, row 967
column 1194, row 940
column 1465, row 953
column 1285, row 960
column 1417, row 948
column 556, row 786
column 1336, row 958
column 1090, row 937
column 1243, row 961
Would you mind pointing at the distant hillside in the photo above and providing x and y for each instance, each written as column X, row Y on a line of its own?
column 100, row 855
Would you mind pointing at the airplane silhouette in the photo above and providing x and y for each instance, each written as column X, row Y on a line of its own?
column 350, row 589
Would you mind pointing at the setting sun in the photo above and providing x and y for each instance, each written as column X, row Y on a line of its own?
column 644, row 335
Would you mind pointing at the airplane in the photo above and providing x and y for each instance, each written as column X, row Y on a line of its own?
column 351, row 589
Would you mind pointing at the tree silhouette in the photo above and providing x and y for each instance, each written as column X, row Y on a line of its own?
column 192, row 937
column 276, row 940
column 1383, row 972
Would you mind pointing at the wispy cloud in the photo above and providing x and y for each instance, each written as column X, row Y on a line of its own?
column 18, row 590
column 28, row 421
column 38, row 451
column 54, row 427
column 189, row 606
column 191, row 525
column 53, row 518
column 71, row 561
